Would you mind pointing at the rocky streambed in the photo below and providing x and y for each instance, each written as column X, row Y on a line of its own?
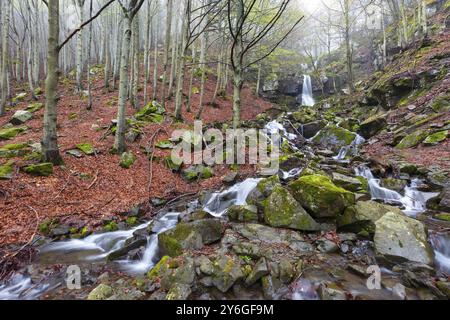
column 326, row 227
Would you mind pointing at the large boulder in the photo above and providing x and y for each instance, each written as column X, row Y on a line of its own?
column 372, row 126
column 399, row 238
column 101, row 292
column 20, row 117
column 334, row 137
column 319, row 195
column 243, row 213
column 363, row 215
column 346, row 182
column 227, row 271
column 191, row 235
column 282, row 210
column 309, row 130
column 412, row 140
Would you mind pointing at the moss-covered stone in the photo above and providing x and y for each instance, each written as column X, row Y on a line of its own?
column 110, row 226
column 6, row 171
column 102, row 292
column 127, row 159
column 197, row 172
column 86, row 148
column 20, row 117
column 399, row 238
column 412, row 140
column 245, row 213
column 394, row 184
column 41, row 169
column 13, row 150
column 363, row 215
column 34, row 107
column 334, row 137
column 159, row 269
column 321, row 196
column 443, row 216
column 282, row 210
column 436, row 138
column 191, row 235
column 10, row 133
column 20, row 97
column 227, row 271
column 372, row 126
column 152, row 112
column 349, row 183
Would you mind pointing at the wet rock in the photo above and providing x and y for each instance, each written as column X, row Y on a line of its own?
column 334, row 138
column 327, row 246
column 41, row 169
column 309, row 130
column 282, row 210
column 132, row 244
column 444, row 204
column 230, row 178
column 372, row 126
column 227, row 271
column 319, row 195
column 191, row 235
column 20, row 117
column 330, row 291
column 394, row 184
column 439, row 178
column 197, row 172
column 244, row 213
column 363, row 215
column 101, row 292
column 349, row 183
column 444, row 287
column 127, row 159
column 259, row 270
column 400, row 238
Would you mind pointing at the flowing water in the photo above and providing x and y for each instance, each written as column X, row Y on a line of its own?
column 307, row 94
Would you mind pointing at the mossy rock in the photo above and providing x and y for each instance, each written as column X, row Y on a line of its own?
column 127, row 159
column 244, row 213
column 20, row 97
column 436, row 138
column 443, row 216
column 38, row 91
column 334, row 137
column 321, row 196
column 6, row 171
column 394, row 184
column 413, row 140
column 101, row 292
column 34, row 107
column 363, row 215
column 282, row 210
column 41, row 169
column 20, row 117
column 164, row 144
column 197, row 172
column 13, row 150
column 10, row 133
column 349, row 183
column 227, row 270
column 86, row 148
column 373, row 125
column 150, row 110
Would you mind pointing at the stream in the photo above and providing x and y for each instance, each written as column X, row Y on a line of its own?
column 95, row 249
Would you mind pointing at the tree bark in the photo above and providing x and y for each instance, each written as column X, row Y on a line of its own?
column 5, row 48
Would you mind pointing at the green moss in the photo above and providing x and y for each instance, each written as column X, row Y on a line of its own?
column 34, row 107
column 86, row 148
column 436, row 138
column 9, row 133
column 443, row 216
column 413, row 139
column 6, row 171
column 110, row 226
column 41, row 169
column 13, row 150
column 131, row 221
column 127, row 159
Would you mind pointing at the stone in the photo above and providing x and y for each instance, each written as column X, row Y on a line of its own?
column 101, row 292
column 444, row 204
column 179, row 291
column 86, row 148
column 334, row 138
column 205, row 265
column 41, row 169
column 282, row 210
column 20, row 117
column 372, row 126
column 259, row 270
column 349, row 183
column 13, row 150
column 10, row 133
column 399, row 238
column 197, row 172
column 243, row 213
column 412, row 140
column 190, row 236
column 6, row 171
column 309, row 130
column 398, row 185
column 127, row 159
column 444, row 287
column 20, row 97
column 75, row 153
column 230, row 178
column 319, row 195
column 327, row 246
column 363, row 215
column 330, row 291
column 436, row 138
column 227, row 271
column 34, row 107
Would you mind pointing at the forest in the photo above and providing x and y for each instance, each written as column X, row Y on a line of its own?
column 224, row 150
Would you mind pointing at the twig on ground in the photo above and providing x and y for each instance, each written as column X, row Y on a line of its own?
column 94, row 181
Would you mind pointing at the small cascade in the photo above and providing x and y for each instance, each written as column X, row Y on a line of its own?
column 21, row 287
column 307, row 94
column 274, row 127
column 346, row 149
column 219, row 202
column 441, row 244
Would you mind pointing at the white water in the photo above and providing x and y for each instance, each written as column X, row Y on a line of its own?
column 274, row 127
column 236, row 195
column 345, row 150
column 441, row 245
column 307, row 94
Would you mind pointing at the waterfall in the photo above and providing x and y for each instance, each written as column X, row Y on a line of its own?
column 307, row 95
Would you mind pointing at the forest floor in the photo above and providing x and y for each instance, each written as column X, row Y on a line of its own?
column 89, row 190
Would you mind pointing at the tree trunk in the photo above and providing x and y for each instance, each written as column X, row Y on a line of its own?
column 5, row 48
column 135, row 84
column 155, row 57
column 167, row 49
column 119, row 144
column 79, row 57
column 147, row 50
column 50, row 139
